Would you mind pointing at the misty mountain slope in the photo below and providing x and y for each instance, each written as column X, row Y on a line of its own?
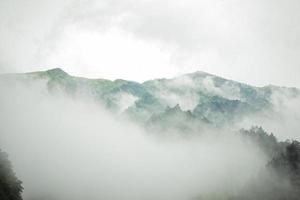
column 284, row 165
column 78, row 150
column 217, row 100
column 178, row 121
column 107, row 91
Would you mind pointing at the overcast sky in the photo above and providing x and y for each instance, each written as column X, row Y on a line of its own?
column 254, row 41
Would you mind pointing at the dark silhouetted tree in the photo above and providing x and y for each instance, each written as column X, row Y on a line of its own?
column 10, row 186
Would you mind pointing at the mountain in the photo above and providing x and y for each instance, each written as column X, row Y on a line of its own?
column 198, row 97
column 185, row 121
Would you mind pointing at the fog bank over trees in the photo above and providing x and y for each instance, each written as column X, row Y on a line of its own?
column 66, row 147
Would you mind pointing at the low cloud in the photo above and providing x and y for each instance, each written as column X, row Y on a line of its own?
column 72, row 148
column 283, row 119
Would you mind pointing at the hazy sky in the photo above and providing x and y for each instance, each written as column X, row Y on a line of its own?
column 255, row 41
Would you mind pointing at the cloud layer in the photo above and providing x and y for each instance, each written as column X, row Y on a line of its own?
column 71, row 148
column 255, row 42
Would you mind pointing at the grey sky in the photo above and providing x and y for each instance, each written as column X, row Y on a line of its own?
column 257, row 41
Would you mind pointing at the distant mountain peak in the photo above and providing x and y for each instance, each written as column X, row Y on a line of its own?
column 57, row 71
column 51, row 73
column 199, row 73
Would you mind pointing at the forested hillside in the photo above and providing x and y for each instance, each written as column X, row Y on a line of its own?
column 209, row 99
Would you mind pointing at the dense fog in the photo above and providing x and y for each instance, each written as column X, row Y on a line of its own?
column 66, row 147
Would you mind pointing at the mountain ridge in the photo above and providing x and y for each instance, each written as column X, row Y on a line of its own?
column 198, row 96
column 60, row 70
